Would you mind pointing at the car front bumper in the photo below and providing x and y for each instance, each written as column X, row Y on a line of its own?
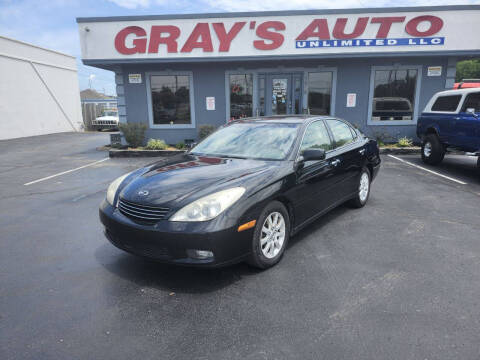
column 168, row 241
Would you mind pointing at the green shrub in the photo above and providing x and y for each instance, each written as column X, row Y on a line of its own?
column 404, row 142
column 134, row 133
column 205, row 130
column 156, row 144
column 180, row 146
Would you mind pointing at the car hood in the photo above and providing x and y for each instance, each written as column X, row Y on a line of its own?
column 185, row 178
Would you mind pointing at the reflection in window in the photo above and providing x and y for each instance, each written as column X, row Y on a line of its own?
column 170, row 99
column 341, row 132
column 241, row 94
column 394, row 94
column 319, row 92
column 316, row 137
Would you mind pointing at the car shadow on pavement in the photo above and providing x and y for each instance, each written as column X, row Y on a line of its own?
column 172, row 278
column 463, row 168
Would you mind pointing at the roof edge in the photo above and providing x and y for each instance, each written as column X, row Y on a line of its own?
column 277, row 13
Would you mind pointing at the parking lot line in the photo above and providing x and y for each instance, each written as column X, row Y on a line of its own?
column 429, row 171
column 65, row 172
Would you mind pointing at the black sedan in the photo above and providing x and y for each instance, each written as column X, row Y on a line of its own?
column 242, row 192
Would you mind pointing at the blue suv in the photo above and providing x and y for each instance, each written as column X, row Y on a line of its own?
column 450, row 121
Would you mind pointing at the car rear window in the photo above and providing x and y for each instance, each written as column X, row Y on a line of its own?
column 446, row 103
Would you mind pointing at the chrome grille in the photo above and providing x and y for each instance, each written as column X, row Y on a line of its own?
column 142, row 213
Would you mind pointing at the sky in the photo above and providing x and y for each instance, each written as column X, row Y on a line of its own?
column 51, row 23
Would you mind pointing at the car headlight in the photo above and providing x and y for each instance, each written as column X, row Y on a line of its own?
column 113, row 187
column 210, row 206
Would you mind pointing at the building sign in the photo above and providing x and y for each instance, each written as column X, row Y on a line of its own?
column 279, row 35
column 351, row 100
column 434, row 71
column 135, row 78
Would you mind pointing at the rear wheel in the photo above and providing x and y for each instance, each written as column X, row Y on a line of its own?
column 271, row 236
column 363, row 190
column 432, row 150
column 478, row 166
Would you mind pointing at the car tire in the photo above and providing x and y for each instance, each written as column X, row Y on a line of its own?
column 478, row 166
column 364, row 185
column 268, row 247
column 433, row 151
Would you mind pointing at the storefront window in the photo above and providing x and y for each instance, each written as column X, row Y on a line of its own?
column 261, row 95
column 394, row 94
column 241, row 95
column 170, row 99
column 319, row 92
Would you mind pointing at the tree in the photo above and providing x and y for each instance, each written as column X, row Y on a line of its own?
column 468, row 69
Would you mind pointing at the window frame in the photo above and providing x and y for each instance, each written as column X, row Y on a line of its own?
column 148, row 87
column 299, row 146
column 416, row 96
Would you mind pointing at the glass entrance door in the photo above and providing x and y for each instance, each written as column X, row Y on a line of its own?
column 280, row 94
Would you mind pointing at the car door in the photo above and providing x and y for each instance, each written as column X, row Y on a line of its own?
column 314, row 179
column 467, row 125
column 348, row 156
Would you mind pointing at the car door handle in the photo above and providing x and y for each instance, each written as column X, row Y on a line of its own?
column 362, row 151
column 335, row 162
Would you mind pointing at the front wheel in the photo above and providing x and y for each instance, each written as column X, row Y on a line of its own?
column 432, row 150
column 271, row 236
column 363, row 190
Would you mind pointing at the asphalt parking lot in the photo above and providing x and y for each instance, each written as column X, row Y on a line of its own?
column 398, row 279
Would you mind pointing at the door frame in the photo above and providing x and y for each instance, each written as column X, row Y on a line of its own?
column 280, row 70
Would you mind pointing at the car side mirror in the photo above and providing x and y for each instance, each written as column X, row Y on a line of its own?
column 471, row 111
column 313, row 154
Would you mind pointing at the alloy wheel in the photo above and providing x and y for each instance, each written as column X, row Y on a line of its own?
column 364, row 187
column 272, row 235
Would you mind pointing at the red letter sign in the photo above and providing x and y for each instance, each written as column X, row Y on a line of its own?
column 157, row 39
column 264, row 33
column 139, row 45
column 318, row 28
column 436, row 25
column 202, row 32
column 386, row 24
column 224, row 37
column 339, row 29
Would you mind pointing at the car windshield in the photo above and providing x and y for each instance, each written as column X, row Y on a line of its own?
column 254, row 140
column 110, row 113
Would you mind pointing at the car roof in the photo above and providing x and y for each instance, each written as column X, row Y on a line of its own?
column 458, row 91
column 285, row 119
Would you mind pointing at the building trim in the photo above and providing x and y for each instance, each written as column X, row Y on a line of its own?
column 150, row 106
column 278, row 13
column 416, row 100
column 105, row 62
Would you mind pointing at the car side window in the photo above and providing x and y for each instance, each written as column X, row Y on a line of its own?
column 316, row 137
column 472, row 101
column 446, row 103
column 341, row 132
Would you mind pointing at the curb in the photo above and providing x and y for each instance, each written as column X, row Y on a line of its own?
column 117, row 153
column 400, row 151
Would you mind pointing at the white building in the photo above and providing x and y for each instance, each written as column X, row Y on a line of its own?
column 39, row 91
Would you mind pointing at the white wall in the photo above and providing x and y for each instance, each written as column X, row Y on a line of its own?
column 39, row 91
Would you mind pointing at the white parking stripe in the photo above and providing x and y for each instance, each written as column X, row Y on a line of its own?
column 430, row 171
column 65, row 172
